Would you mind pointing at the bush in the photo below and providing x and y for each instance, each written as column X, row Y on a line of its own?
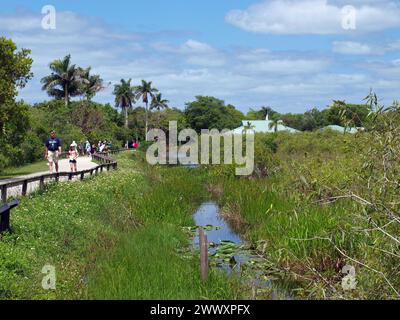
column 32, row 148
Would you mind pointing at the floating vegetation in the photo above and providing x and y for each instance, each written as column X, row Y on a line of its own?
column 228, row 252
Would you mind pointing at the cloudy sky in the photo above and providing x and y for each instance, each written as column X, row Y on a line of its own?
column 289, row 54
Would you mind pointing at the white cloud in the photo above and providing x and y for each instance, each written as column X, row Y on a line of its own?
column 195, row 53
column 394, row 46
column 246, row 77
column 350, row 47
column 357, row 48
column 27, row 23
column 314, row 17
column 388, row 70
column 286, row 66
column 189, row 47
column 192, row 46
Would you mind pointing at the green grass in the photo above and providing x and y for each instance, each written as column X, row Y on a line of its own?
column 24, row 170
column 288, row 218
column 281, row 221
column 116, row 235
column 149, row 265
column 120, row 235
column 152, row 262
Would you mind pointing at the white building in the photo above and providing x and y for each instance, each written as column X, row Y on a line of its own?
column 263, row 126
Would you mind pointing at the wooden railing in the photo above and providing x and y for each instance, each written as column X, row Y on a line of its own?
column 5, row 215
column 104, row 160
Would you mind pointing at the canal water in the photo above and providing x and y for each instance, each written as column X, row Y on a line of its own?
column 239, row 258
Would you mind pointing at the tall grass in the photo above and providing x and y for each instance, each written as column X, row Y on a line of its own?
column 149, row 264
column 154, row 262
column 289, row 217
column 117, row 235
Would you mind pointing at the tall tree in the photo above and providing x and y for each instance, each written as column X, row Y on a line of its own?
column 261, row 114
column 64, row 81
column 212, row 113
column 145, row 91
column 124, row 97
column 248, row 127
column 15, row 72
column 348, row 115
column 274, row 124
column 90, row 83
column 159, row 104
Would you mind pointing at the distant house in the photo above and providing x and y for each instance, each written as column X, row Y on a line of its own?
column 263, row 126
column 342, row 129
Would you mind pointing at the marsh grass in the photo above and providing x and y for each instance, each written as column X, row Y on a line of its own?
column 120, row 235
column 289, row 217
column 149, row 264
column 115, row 235
column 155, row 262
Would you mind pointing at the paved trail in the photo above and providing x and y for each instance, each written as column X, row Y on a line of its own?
column 84, row 163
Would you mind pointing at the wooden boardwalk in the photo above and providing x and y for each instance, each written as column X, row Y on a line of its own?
column 21, row 186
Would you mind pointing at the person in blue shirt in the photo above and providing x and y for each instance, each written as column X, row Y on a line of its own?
column 53, row 151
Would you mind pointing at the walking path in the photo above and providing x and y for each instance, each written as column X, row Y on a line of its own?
column 84, row 163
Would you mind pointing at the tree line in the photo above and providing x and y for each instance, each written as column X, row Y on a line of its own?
column 24, row 127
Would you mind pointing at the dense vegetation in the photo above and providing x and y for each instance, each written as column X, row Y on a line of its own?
column 24, row 127
column 113, row 216
column 339, row 113
column 321, row 201
column 317, row 201
column 310, row 214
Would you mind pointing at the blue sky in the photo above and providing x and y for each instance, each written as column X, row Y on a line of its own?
column 288, row 54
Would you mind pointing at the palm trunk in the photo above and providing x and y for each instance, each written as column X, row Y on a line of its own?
column 66, row 94
column 146, row 125
column 126, row 117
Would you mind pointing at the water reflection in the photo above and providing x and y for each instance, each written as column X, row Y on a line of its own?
column 218, row 230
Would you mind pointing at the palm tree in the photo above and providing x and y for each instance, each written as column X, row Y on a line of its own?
column 145, row 91
column 90, row 83
column 274, row 124
column 159, row 104
column 124, row 97
column 265, row 111
column 248, row 127
column 64, row 80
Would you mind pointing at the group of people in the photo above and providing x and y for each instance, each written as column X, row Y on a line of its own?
column 53, row 151
column 90, row 149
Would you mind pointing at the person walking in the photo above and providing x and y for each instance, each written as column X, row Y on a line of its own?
column 88, row 148
column 73, row 156
column 53, row 151
column 81, row 149
column 93, row 150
